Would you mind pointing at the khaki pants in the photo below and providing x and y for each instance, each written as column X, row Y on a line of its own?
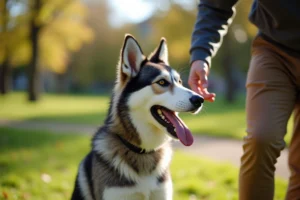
column 273, row 85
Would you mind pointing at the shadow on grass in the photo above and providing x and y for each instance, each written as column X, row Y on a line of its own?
column 92, row 118
column 27, row 154
column 12, row 139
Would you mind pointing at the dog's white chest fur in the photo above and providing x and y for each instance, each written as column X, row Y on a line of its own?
column 147, row 188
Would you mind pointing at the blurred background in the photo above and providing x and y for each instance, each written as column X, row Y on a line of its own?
column 72, row 46
column 57, row 68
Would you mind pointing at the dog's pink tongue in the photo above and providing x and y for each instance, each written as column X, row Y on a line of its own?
column 182, row 131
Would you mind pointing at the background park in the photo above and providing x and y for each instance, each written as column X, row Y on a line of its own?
column 57, row 69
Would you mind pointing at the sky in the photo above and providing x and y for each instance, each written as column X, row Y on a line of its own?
column 135, row 11
column 130, row 11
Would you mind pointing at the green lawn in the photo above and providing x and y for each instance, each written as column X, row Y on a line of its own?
column 216, row 119
column 58, row 108
column 38, row 165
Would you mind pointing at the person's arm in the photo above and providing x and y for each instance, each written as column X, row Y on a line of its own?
column 214, row 17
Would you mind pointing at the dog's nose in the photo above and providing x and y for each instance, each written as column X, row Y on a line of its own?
column 196, row 100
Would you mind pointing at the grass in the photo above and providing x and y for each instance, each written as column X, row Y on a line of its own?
column 39, row 165
column 216, row 119
column 58, row 108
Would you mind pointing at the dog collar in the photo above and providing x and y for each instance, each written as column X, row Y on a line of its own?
column 134, row 148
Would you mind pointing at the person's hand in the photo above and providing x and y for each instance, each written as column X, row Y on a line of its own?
column 198, row 80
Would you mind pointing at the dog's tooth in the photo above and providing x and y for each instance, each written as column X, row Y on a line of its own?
column 175, row 130
column 159, row 111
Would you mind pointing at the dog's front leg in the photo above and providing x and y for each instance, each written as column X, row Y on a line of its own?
column 165, row 192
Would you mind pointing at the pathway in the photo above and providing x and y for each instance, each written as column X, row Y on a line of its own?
column 218, row 149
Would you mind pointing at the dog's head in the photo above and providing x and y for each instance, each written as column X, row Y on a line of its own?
column 149, row 94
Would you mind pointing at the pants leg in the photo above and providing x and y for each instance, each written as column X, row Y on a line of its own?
column 271, row 97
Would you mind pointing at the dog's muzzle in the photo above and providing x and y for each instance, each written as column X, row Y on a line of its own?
column 196, row 101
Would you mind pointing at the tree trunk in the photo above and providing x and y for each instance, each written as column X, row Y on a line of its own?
column 229, row 70
column 5, row 71
column 5, row 77
column 33, row 70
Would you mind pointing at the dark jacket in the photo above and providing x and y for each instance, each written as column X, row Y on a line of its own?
column 277, row 20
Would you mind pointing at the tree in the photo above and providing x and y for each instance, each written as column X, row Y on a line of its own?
column 176, row 26
column 96, row 62
column 5, row 72
column 40, row 35
column 33, row 73
column 56, row 27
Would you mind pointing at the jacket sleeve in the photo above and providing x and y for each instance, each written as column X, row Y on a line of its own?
column 214, row 17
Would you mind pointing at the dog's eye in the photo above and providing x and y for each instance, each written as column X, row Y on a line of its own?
column 163, row 82
column 180, row 81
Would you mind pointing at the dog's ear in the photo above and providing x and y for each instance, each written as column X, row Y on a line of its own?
column 131, row 57
column 160, row 54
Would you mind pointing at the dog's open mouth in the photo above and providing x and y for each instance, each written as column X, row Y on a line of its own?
column 174, row 125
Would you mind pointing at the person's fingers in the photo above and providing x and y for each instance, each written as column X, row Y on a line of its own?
column 207, row 95
column 194, row 82
column 195, row 86
column 212, row 98
column 203, row 78
column 203, row 92
column 199, row 71
column 198, row 80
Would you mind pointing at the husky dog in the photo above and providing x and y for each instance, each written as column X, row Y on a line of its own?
column 131, row 153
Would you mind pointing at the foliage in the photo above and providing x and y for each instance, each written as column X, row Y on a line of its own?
column 176, row 25
column 13, row 34
column 68, row 24
column 64, row 30
column 98, row 60
column 41, row 165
